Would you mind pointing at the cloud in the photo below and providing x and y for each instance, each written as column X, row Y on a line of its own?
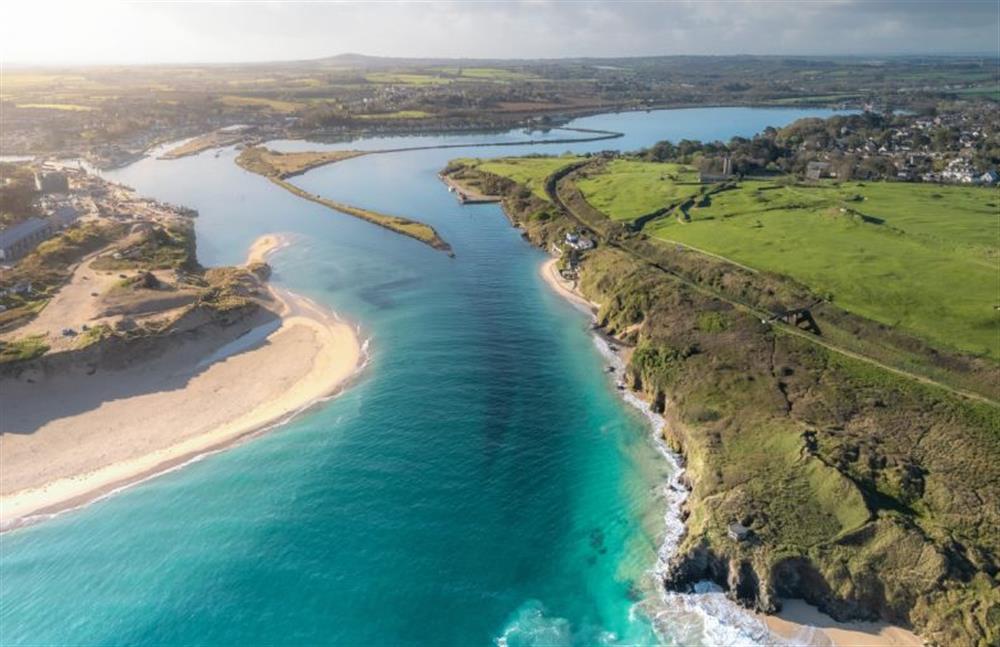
column 225, row 32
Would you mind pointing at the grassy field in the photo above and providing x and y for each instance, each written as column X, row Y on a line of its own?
column 529, row 171
column 57, row 106
column 271, row 104
column 629, row 189
column 405, row 79
column 923, row 258
column 992, row 91
column 487, row 73
column 399, row 114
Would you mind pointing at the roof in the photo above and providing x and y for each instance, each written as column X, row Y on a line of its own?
column 21, row 231
column 65, row 214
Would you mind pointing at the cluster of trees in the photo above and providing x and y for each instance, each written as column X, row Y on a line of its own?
column 862, row 146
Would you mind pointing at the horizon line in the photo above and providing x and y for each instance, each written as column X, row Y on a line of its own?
column 403, row 59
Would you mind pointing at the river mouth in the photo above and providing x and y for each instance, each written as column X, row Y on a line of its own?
column 482, row 482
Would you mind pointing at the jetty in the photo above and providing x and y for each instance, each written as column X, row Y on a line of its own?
column 465, row 195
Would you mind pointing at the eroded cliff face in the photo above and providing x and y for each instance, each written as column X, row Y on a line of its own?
column 868, row 495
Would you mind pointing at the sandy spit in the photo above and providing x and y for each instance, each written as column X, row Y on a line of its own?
column 70, row 438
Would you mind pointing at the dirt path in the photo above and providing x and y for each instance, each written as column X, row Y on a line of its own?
column 71, row 307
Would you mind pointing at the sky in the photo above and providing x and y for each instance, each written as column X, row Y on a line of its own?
column 89, row 31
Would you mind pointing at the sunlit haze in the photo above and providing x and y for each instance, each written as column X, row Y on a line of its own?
column 171, row 32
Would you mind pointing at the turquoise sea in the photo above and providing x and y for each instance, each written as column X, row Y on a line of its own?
column 481, row 482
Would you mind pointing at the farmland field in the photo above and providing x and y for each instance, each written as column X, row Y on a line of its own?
column 629, row 189
column 405, row 79
column 55, row 106
column 922, row 258
column 273, row 104
column 399, row 114
column 487, row 73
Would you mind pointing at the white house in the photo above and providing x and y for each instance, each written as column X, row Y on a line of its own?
column 578, row 242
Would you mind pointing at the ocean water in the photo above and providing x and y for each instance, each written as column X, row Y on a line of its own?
column 481, row 482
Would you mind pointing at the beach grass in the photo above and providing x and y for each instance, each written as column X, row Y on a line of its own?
column 23, row 349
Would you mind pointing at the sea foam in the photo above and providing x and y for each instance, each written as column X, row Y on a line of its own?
column 705, row 616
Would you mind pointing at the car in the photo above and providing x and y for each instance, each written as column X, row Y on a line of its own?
column 68, row 332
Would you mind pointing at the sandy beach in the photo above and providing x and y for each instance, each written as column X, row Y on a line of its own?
column 567, row 289
column 70, row 437
column 802, row 624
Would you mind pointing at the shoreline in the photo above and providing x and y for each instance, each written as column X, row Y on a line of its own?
column 566, row 289
column 468, row 196
column 126, row 440
column 798, row 624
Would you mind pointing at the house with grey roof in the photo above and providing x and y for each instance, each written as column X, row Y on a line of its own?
column 20, row 239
